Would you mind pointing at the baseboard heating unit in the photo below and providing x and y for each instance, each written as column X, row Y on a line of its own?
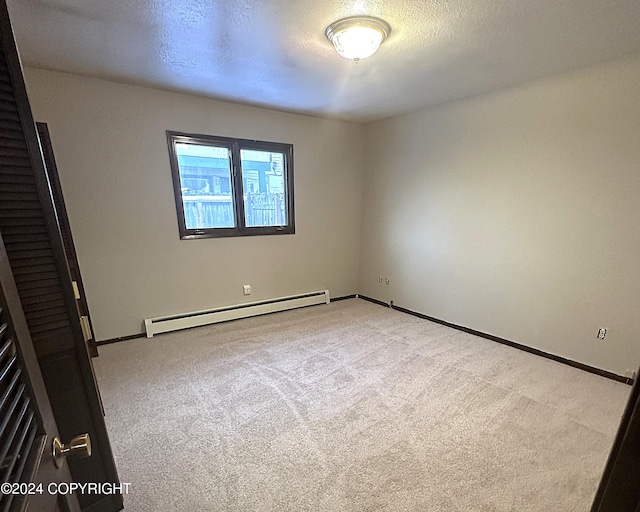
column 223, row 314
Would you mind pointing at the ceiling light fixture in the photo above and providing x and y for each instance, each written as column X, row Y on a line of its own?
column 357, row 37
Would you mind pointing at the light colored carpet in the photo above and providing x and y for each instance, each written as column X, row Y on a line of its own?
column 352, row 407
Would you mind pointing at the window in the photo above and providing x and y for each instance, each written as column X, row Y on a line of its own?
column 231, row 187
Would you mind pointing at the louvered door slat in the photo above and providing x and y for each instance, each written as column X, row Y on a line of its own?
column 10, row 162
column 39, row 283
column 10, row 186
column 13, row 170
column 43, row 286
column 35, row 308
column 20, row 263
column 10, row 127
column 11, row 179
column 50, row 326
column 12, row 150
column 4, row 86
column 41, row 299
column 16, row 203
column 36, row 254
column 5, row 348
column 10, row 216
column 22, row 460
column 21, row 237
column 8, row 105
column 28, row 244
column 5, row 373
column 15, row 449
column 52, row 316
column 9, row 414
column 22, row 457
column 11, row 386
column 23, row 226
column 26, row 279
column 14, row 143
column 54, row 312
column 7, row 196
column 19, row 425
column 35, row 292
column 36, row 269
column 13, row 428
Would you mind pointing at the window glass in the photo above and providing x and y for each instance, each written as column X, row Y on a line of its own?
column 263, row 181
column 205, row 179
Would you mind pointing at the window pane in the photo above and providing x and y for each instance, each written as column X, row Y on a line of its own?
column 205, row 181
column 264, row 188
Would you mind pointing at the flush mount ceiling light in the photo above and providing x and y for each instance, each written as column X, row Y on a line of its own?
column 357, row 37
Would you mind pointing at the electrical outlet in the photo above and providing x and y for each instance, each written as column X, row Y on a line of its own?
column 246, row 288
column 380, row 279
column 386, row 280
column 602, row 332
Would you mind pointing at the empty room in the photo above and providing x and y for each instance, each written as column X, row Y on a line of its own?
column 320, row 256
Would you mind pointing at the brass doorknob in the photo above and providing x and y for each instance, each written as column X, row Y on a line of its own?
column 79, row 446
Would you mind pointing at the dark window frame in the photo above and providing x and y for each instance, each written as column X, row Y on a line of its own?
column 235, row 146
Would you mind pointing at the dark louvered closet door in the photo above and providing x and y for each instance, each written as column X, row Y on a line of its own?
column 67, row 238
column 36, row 255
column 27, row 425
column 19, row 425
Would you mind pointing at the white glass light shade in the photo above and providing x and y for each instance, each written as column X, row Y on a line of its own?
column 357, row 37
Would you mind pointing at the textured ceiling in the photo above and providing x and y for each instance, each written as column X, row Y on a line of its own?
column 274, row 53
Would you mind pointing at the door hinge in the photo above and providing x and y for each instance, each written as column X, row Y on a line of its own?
column 86, row 328
column 76, row 290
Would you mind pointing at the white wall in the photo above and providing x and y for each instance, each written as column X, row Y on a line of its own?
column 516, row 214
column 110, row 146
